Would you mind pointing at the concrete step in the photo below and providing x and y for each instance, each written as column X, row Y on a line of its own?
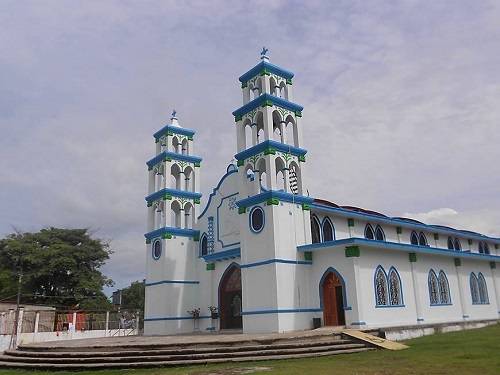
column 173, row 351
column 174, row 363
column 180, row 357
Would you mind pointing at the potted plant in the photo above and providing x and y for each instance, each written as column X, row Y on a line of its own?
column 214, row 313
column 195, row 313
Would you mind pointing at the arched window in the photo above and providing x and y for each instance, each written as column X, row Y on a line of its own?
column 315, row 231
column 458, row 246
column 450, row 244
column 481, row 250
column 328, row 230
column 486, row 248
column 369, row 233
column 474, row 289
column 483, row 290
column 414, row 238
column 422, row 240
column 204, row 245
column 444, row 289
column 257, row 219
column 381, row 293
column 433, row 288
column 395, row 290
column 156, row 249
column 379, row 233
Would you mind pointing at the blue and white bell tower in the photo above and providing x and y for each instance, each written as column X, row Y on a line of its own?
column 173, row 206
column 274, row 213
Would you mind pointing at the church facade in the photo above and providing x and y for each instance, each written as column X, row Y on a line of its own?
column 263, row 256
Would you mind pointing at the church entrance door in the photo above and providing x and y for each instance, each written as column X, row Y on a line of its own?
column 333, row 300
column 230, row 300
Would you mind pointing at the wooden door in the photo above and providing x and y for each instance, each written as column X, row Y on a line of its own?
column 333, row 306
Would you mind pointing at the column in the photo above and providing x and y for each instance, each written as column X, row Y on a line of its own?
column 458, row 268
column 37, row 321
column 496, row 284
column 416, row 289
column 359, row 288
column 107, row 324
column 282, row 131
column 254, row 136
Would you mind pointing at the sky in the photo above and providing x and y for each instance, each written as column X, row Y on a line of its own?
column 401, row 106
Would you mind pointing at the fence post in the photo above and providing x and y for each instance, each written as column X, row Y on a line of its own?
column 107, row 324
column 37, row 321
column 137, row 321
column 74, row 322
column 20, row 325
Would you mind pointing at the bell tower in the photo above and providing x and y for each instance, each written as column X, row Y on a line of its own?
column 173, row 206
column 274, row 213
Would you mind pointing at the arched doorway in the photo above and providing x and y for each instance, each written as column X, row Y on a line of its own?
column 230, row 300
column 332, row 294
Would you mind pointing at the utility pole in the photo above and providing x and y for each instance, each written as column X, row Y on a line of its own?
column 13, row 337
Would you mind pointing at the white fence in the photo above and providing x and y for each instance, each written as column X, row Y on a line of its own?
column 51, row 325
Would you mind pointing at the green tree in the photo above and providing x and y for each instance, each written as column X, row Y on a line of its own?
column 133, row 296
column 60, row 267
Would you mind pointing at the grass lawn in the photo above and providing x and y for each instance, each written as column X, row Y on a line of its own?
column 459, row 353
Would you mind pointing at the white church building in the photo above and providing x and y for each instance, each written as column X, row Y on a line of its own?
column 270, row 258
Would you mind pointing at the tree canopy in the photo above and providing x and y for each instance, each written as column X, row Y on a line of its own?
column 133, row 296
column 60, row 267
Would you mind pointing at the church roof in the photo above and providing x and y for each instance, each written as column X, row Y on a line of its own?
column 265, row 66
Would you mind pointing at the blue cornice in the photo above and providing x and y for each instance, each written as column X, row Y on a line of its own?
column 173, row 192
column 230, row 170
column 264, row 99
column 397, row 246
column 223, row 255
column 402, row 223
column 271, row 68
column 173, row 129
column 297, row 151
column 273, row 194
column 172, row 231
column 172, row 155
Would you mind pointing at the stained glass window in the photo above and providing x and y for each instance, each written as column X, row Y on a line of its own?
column 395, row 288
column 316, row 237
column 422, row 240
column 474, row 289
column 379, row 233
column 328, row 231
column 414, row 238
column 433, row 288
column 483, row 291
column 444, row 289
column 381, row 287
column 369, row 234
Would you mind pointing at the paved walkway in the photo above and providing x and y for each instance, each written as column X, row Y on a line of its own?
column 193, row 339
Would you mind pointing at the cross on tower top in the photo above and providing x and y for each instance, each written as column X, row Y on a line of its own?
column 173, row 119
column 263, row 53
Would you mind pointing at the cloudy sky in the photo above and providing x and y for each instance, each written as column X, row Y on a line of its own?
column 401, row 102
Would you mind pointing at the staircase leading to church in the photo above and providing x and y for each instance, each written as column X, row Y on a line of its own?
column 173, row 351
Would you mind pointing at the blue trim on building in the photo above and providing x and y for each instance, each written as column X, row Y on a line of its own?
column 281, row 195
column 261, row 147
column 262, row 99
column 271, row 68
column 279, row 311
column 174, row 318
column 174, row 156
column 173, row 231
column 212, row 194
column 271, row 261
column 175, row 130
column 358, row 323
column 190, row 282
column 402, row 223
column 223, row 255
column 173, row 192
column 397, row 246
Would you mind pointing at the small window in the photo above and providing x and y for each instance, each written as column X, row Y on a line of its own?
column 458, row 246
column 395, row 289
column 369, row 234
column 257, row 219
column 328, row 231
column 156, row 249
column 414, row 238
column 474, row 289
column 204, row 245
column 422, row 240
column 381, row 292
column 483, row 290
column 379, row 233
column 486, row 248
column 315, row 231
